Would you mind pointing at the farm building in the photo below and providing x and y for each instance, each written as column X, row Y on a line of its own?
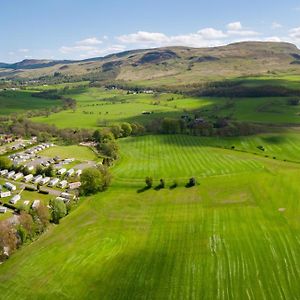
column 45, row 180
column 10, row 186
column 5, row 194
column 36, row 204
column 61, row 171
column 15, row 199
column 3, row 209
column 27, row 178
column 74, row 185
column 53, row 182
column 63, row 184
column 18, row 176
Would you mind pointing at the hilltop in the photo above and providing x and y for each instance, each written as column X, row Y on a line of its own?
column 168, row 66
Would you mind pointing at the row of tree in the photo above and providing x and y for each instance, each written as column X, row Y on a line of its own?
column 29, row 226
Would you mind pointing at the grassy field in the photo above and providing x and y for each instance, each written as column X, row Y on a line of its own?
column 234, row 236
column 97, row 106
column 22, row 101
column 178, row 157
column 79, row 153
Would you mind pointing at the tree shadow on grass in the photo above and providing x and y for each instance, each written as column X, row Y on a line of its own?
column 159, row 187
column 144, row 189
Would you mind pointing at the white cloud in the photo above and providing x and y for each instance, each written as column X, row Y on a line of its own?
column 23, row 50
column 89, row 42
column 202, row 38
column 211, row 34
column 294, row 33
column 273, row 39
column 276, row 25
column 234, row 26
column 143, row 37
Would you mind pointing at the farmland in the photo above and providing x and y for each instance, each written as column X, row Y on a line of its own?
column 77, row 152
column 243, row 236
column 97, row 108
column 21, row 101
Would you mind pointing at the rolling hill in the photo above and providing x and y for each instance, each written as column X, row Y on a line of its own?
column 169, row 66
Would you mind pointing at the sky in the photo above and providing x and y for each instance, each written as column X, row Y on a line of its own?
column 79, row 29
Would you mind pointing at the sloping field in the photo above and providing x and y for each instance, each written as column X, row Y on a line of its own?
column 178, row 157
column 233, row 236
column 21, row 101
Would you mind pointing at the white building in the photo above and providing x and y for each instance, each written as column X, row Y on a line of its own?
column 45, row 180
column 63, row 184
column 10, row 186
column 78, row 172
column 67, row 196
column 10, row 174
column 53, row 182
column 28, row 178
column 15, row 199
column 36, row 204
column 18, row 176
column 61, row 171
column 3, row 172
column 5, row 194
column 74, row 185
column 37, row 179
column 70, row 172
column 3, row 209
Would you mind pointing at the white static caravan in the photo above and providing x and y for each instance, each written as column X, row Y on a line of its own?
column 18, row 176
column 10, row 174
column 28, row 178
column 74, row 185
column 3, row 210
column 78, row 173
column 70, row 172
column 62, row 199
column 37, row 179
column 5, row 194
column 53, row 182
column 10, row 186
column 63, row 184
column 61, row 171
column 36, row 204
column 3, row 172
column 15, row 199
column 45, row 180
column 67, row 196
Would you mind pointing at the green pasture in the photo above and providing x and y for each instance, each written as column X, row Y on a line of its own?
column 79, row 153
column 22, row 101
column 231, row 237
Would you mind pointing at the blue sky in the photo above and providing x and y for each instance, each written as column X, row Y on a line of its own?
column 65, row 29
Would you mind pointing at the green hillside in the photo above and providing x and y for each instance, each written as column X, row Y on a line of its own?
column 234, row 236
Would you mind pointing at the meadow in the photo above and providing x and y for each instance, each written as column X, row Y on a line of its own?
column 235, row 235
column 98, row 107
column 79, row 153
column 22, row 101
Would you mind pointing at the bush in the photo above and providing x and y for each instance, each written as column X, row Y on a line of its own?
column 192, row 182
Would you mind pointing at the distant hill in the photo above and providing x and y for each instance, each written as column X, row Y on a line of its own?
column 168, row 66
